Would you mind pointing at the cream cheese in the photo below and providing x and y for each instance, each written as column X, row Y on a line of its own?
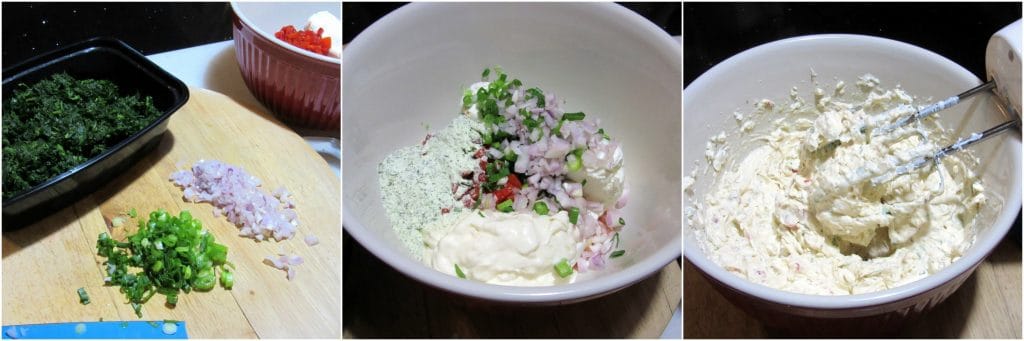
column 519, row 249
column 332, row 28
column 604, row 179
column 797, row 214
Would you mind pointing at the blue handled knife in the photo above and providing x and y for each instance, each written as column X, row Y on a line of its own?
column 98, row 330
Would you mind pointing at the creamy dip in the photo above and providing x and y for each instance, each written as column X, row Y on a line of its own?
column 799, row 213
column 503, row 248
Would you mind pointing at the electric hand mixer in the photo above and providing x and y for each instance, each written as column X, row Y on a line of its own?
column 1003, row 66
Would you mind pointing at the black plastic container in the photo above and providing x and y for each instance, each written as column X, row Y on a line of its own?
column 97, row 58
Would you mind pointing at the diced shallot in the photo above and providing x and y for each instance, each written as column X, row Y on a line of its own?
column 238, row 196
column 312, row 240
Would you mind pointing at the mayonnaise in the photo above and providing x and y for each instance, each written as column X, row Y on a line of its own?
column 519, row 249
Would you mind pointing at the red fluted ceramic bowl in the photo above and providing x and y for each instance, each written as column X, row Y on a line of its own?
column 770, row 71
column 302, row 88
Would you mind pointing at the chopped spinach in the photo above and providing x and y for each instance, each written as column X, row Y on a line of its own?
column 60, row 122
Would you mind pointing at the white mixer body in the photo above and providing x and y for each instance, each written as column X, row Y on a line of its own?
column 1002, row 63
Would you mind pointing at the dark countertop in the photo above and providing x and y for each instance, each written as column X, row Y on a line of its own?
column 958, row 31
column 30, row 29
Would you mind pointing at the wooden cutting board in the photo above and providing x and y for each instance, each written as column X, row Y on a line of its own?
column 44, row 264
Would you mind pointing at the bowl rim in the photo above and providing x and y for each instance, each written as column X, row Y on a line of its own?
column 693, row 252
column 270, row 37
column 511, row 294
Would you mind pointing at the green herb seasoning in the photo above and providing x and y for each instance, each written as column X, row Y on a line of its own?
column 617, row 254
column 166, row 255
column 60, row 122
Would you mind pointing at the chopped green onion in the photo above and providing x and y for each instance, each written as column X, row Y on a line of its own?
column 601, row 131
column 83, row 296
column 573, row 116
column 575, row 163
column 510, row 156
column 617, row 253
column 574, row 215
column 622, row 221
column 506, row 206
column 459, row 272
column 487, row 72
column 584, row 183
column 540, row 207
column 516, row 83
column 227, row 280
column 174, row 254
column 538, row 94
column 616, row 239
column 563, row 269
column 132, row 213
column 481, row 213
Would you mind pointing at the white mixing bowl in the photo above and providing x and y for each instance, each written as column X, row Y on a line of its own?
column 407, row 71
column 769, row 71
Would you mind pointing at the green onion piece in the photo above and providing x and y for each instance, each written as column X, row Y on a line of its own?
column 575, row 163
column 601, row 131
column 172, row 299
column 574, row 215
column 573, row 116
column 540, row 207
column 83, row 296
column 616, row 239
column 459, row 272
column 538, row 94
column 204, row 280
column 622, row 221
column 558, row 128
column 563, row 269
column 584, row 183
column 487, row 72
column 617, row 254
column 516, row 83
column 227, row 279
column 132, row 213
column 481, row 213
column 138, row 309
column 506, row 206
